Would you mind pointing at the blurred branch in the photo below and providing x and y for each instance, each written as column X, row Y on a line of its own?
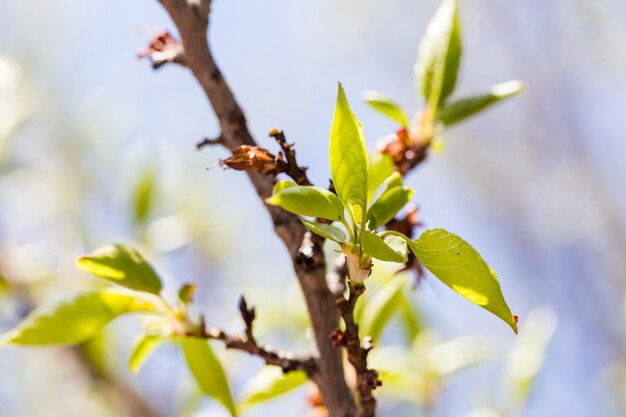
column 285, row 360
column 366, row 379
column 191, row 17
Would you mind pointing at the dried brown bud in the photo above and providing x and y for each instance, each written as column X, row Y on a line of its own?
column 405, row 151
column 255, row 158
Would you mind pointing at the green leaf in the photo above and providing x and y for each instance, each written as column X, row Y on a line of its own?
column 460, row 267
column 459, row 110
column 393, row 250
column 327, row 231
column 381, row 167
column 385, row 105
column 308, row 201
column 270, row 383
column 144, row 197
column 440, row 55
column 281, row 185
column 143, row 346
column 208, row 371
column 75, row 319
column 380, row 308
column 122, row 265
column 387, row 206
column 348, row 155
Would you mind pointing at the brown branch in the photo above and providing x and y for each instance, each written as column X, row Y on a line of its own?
column 295, row 171
column 366, row 379
column 191, row 17
column 287, row 361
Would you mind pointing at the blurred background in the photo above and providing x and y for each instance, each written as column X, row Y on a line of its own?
column 96, row 147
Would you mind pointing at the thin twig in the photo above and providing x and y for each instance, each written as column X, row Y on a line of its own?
column 295, row 171
column 287, row 361
column 209, row 142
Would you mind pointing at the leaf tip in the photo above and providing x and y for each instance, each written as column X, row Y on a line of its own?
column 514, row 323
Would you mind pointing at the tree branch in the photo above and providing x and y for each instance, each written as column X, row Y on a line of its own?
column 191, row 17
column 366, row 379
column 285, row 360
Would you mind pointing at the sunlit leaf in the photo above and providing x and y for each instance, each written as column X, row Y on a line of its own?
column 385, row 105
column 439, row 57
column 75, row 319
column 381, row 307
column 348, row 155
column 207, row 371
column 327, row 231
column 122, row 265
column 387, row 206
column 281, row 185
column 378, row 248
column 458, row 265
column 461, row 109
column 143, row 346
column 270, row 383
column 308, row 201
column 381, row 167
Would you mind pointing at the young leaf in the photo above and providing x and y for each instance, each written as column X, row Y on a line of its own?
column 440, row 55
column 385, row 105
column 208, row 371
column 379, row 310
column 308, row 201
column 459, row 110
column 348, row 156
column 327, row 231
column 387, row 206
column 270, row 383
column 376, row 247
column 122, row 265
column 143, row 346
column 74, row 320
column 460, row 267
column 381, row 167
column 281, row 185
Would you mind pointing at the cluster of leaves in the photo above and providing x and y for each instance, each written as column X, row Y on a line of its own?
column 81, row 317
column 436, row 71
column 368, row 197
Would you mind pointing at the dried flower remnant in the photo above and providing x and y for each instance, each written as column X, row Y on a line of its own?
column 255, row 158
column 163, row 48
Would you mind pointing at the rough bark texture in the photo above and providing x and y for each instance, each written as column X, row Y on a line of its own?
column 191, row 17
